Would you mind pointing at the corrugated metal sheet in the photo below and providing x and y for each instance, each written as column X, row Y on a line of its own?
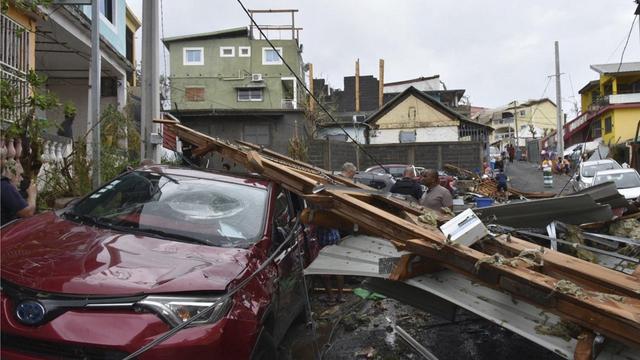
column 361, row 255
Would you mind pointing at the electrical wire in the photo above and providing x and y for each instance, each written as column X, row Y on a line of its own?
column 304, row 86
column 627, row 41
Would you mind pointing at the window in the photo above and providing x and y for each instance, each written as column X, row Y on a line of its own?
column 193, row 56
column 270, row 57
column 249, row 94
column 227, row 51
column 106, row 9
column 407, row 136
column 257, row 134
column 523, row 112
column 597, row 129
column 608, row 125
column 282, row 213
column 244, row 51
column 194, row 94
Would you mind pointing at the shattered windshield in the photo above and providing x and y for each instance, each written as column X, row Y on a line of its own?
column 591, row 170
column 185, row 208
column 623, row 180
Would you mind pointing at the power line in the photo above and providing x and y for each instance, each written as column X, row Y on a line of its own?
column 627, row 41
column 304, row 86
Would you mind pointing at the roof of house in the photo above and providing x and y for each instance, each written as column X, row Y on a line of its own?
column 234, row 32
column 616, row 68
column 421, row 96
column 421, row 78
column 590, row 84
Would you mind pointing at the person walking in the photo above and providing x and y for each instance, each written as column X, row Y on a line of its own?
column 547, row 173
column 437, row 196
column 511, row 150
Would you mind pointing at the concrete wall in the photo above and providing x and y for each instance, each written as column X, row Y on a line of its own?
column 114, row 33
column 281, row 128
column 430, row 134
column 331, row 155
column 357, row 133
column 221, row 75
column 625, row 122
column 77, row 92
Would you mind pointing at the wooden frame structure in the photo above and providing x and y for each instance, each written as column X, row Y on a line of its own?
column 598, row 299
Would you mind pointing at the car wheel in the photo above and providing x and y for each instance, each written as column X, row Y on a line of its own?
column 265, row 348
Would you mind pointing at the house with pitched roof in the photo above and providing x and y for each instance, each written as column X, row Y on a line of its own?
column 414, row 116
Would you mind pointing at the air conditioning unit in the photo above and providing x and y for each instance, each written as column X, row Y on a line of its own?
column 256, row 77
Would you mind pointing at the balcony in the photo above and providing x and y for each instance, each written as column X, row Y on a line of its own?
column 624, row 98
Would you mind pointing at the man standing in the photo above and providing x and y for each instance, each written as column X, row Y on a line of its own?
column 13, row 205
column 437, row 196
column 511, row 150
column 408, row 185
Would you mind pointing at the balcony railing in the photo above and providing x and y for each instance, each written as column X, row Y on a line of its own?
column 624, row 98
column 14, row 65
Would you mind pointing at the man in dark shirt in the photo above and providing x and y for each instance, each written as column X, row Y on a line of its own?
column 13, row 205
column 407, row 185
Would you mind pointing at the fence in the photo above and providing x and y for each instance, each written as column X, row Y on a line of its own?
column 332, row 154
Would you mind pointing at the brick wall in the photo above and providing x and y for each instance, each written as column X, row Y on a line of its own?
column 332, row 154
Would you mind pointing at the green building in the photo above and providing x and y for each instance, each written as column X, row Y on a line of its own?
column 231, row 85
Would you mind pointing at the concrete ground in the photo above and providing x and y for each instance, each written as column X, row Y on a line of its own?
column 526, row 176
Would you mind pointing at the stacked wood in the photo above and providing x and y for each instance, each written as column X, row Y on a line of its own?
column 598, row 299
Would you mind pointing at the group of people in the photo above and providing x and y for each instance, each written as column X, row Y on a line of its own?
column 433, row 196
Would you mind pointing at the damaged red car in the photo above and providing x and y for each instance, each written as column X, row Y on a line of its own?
column 146, row 252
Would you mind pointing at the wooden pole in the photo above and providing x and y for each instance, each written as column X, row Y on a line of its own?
column 358, row 85
column 312, row 104
column 381, row 84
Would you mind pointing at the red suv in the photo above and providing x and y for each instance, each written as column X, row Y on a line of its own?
column 146, row 252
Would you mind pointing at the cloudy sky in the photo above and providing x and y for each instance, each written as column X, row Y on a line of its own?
column 497, row 50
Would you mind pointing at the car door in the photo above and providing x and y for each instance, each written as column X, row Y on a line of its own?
column 290, row 290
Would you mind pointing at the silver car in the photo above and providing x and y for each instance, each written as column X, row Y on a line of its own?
column 587, row 170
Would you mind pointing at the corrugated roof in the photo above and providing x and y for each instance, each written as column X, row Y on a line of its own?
column 234, row 32
column 421, row 78
column 616, row 68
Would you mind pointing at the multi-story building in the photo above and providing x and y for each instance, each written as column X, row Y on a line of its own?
column 610, row 106
column 55, row 40
column 520, row 121
column 232, row 84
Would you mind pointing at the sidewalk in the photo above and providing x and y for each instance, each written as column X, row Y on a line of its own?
column 525, row 176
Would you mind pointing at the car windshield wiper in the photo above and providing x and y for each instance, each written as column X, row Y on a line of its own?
column 166, row 235
column 87, row 219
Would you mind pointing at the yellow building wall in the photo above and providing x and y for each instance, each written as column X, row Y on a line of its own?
column 30, row 24
column 543, row 115
column 402, row 116
column 625, row 122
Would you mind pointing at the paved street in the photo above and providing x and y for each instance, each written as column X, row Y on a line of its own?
column 526, row 176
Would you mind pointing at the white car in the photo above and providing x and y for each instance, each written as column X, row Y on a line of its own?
column 627, row 181
column 587, row 169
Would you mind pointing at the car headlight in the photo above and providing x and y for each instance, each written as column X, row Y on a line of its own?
column 177, row 309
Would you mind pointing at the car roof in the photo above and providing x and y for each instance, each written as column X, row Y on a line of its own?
column 598, row 162
column 230, row 177
column 615, row 171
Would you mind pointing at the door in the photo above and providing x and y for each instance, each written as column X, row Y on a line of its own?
column 290, row 288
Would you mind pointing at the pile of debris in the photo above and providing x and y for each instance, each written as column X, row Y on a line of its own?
column 599, row 300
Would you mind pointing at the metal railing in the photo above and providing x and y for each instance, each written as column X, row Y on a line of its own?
column 14, row 65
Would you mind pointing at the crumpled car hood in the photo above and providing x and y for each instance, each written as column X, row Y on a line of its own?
column 51, row 254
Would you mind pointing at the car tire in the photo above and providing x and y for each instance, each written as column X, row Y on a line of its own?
column 265, row 348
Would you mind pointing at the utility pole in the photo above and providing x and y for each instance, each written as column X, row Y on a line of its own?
column 93, row 120
column 559, row 122
column 381, row 84
column 150, row 81
column 357, row 85
column 515, row 119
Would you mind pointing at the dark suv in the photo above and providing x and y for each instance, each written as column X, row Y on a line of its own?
column 146, row 252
